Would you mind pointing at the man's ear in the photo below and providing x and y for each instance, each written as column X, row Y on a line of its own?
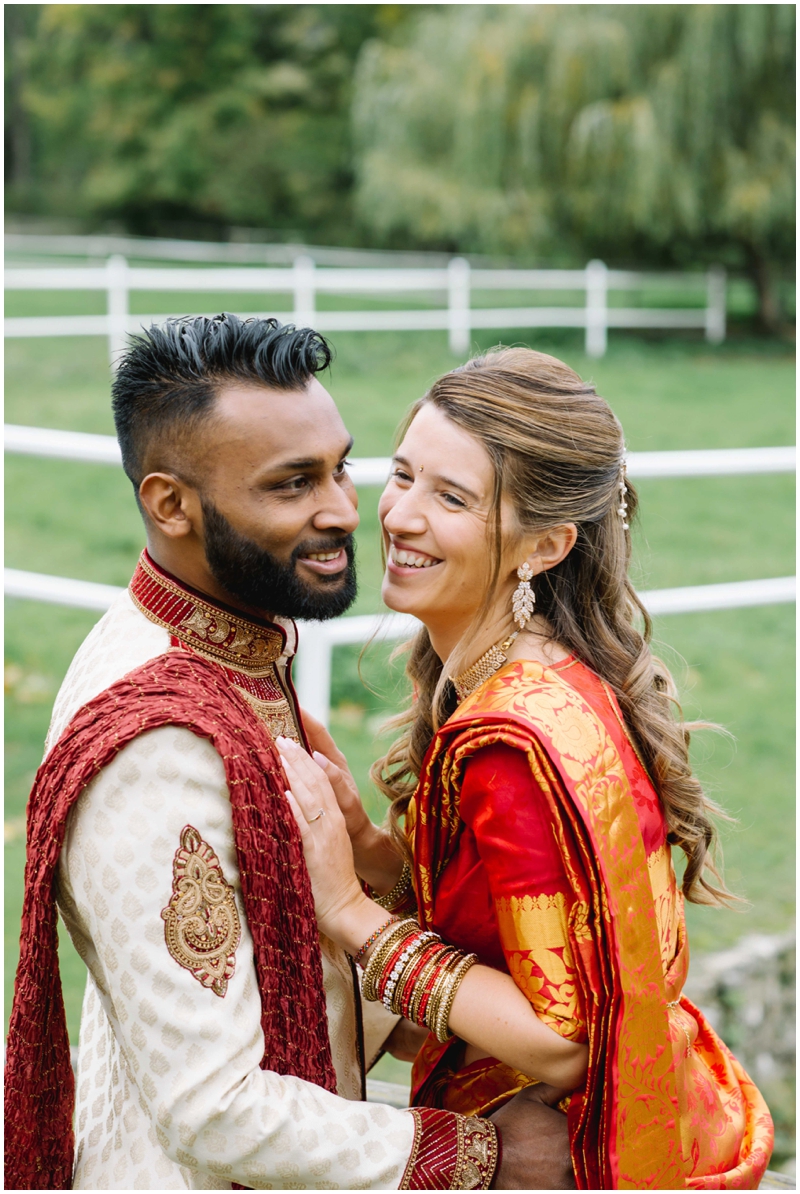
column 546, row 550
column 170, row 504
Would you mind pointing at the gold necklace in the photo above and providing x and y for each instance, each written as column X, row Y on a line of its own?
column 482, row 669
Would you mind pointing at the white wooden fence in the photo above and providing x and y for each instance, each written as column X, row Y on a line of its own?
column 305, row 281
column 373, row 470
column 318, row 639
column 36, row 248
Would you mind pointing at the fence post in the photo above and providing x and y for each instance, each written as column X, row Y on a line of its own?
column 313, row 670
column 117, row 306
column 596, row 309
column 305, row 306
column 716, row 304
column 458, row 304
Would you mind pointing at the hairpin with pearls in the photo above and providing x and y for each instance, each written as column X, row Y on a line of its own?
column 622, row 509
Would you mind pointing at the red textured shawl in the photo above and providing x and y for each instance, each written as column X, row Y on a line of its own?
column 177, row 689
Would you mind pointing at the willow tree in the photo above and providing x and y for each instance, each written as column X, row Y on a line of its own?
column 647, row 133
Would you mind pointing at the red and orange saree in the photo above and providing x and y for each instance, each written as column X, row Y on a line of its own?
column 540, row 844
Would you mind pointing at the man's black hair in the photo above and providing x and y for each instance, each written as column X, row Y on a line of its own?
column 168, row 380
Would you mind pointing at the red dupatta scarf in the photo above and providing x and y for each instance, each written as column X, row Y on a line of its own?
column 625, row 1125
column 179, row 689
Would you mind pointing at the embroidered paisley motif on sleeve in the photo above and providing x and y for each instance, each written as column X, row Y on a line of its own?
column 201, row 924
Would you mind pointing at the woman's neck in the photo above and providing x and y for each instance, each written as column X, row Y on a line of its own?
column 447, row 634
column 534, row 642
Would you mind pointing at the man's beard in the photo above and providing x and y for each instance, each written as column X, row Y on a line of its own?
column 259, row 580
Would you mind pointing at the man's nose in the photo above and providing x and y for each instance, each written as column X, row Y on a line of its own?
column 339, row 508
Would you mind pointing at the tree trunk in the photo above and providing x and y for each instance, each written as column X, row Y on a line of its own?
column 767, row 286
column 18, row 126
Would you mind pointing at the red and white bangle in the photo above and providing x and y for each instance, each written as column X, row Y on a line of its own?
column 415, row 975
column 388, row 945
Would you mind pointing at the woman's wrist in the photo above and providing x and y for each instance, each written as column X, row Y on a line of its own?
column 356, row 923
column 399, row 898
column 376, row 859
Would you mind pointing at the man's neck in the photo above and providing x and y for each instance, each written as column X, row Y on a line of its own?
column 196, row 575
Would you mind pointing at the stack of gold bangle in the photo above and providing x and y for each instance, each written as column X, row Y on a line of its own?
column 439, row 1017
column 415, row 975
column 395, row 933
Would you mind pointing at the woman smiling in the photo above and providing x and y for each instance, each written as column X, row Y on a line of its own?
column 538, row 787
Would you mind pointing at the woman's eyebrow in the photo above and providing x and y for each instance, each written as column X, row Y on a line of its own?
column 448, row 481
column 451, row 484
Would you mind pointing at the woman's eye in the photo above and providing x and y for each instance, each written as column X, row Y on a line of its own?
column 453, row 501
column 400, row 474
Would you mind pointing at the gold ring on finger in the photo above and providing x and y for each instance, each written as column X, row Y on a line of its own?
column 321, row 813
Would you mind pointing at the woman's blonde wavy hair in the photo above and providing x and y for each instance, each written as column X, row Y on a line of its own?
column 557, row 450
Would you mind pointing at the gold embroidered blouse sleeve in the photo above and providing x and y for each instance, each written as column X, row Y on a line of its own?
column 533, row 933
column 506, row 811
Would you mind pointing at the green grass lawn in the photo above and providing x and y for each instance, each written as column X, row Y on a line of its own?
column 733, row 667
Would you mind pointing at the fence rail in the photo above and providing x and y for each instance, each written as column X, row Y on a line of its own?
column 99, row 247
column 318, row 639
column 305, row 281
column 373, row 470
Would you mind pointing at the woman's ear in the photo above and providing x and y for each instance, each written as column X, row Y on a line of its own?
column 547, row 550
column 168, row 503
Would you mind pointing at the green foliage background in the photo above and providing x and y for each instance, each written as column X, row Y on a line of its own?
column 657, row 130
column 205, row 115
column 659, row 134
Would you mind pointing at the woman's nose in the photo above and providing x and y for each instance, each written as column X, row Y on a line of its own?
column 403, row 514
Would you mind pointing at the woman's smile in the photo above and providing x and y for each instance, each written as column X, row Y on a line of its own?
column 409, row 561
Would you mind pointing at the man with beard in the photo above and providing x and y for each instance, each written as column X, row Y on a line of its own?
column 223, row 1041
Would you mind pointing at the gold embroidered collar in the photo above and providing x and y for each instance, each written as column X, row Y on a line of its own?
column 213, row 630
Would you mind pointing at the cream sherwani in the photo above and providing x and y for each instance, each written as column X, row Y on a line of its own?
column 170, row 1095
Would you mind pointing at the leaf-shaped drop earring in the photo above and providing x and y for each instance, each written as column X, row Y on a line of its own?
column 524, row 598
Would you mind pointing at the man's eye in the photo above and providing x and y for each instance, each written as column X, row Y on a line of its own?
column 296, row 483
column 339, row 471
